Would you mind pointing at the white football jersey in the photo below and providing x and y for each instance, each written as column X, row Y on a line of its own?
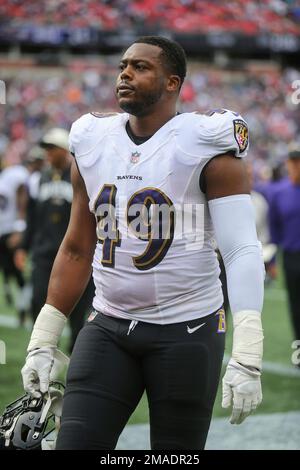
column 140, row 273
column 11, row 179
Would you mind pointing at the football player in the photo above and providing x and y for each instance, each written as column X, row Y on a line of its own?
column 13, row 201
column 158, row 324
column 47, row 219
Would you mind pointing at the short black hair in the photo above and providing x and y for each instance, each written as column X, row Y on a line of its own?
column 172, row 52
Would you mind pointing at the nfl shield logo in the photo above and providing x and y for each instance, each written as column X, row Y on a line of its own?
column 135, row 156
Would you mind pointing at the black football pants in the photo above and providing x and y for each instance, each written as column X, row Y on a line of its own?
column 112, row 365
column 7, row 263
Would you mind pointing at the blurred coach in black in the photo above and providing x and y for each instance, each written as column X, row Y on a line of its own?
column 47, row 220
column 285, row 230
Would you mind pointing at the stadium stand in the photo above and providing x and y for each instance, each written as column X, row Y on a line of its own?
column 34, row 102
column 248, row 16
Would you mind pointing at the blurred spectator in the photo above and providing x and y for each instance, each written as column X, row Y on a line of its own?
column 35, row 104
column 285, row 231
column 13, row 201
column 35, row 161
column 47, row 220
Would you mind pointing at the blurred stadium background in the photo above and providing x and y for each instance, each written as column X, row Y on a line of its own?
column 58, row 60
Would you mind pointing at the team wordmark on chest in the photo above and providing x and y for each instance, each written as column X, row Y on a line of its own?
column 130, row 177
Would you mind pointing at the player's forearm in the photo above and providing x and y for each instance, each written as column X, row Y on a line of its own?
column 234, row 223
column 245, row 278
column 245, row 284
column 69, row 277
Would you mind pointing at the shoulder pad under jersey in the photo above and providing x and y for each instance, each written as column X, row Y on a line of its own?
column 224, row 131
column 216, row 132
column 88, row 131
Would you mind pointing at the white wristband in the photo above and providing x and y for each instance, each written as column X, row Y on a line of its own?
column 247, row 348
column 47, row 328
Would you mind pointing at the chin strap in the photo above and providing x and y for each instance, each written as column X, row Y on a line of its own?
column 8, row 433
column 53, row 404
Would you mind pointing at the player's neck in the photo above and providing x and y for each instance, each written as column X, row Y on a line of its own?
column 148, row 125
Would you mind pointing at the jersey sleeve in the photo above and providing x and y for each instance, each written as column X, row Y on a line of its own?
column 80, row 141
column 19, row 177
column 87, row 133
column 223, row 131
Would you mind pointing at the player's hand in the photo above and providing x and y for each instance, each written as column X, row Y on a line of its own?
column 44, row 361
column 14, row 240
column 20, row 258
column 42, row 366
column 242, row 387
column 36, row 371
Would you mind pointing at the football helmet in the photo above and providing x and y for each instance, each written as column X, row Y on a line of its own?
column 32, row 423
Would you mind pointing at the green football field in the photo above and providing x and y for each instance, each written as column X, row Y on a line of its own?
column 280, row 381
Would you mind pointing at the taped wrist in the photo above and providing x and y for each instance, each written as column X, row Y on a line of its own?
column 247, row 348
column 247, row 370
column 47, row 328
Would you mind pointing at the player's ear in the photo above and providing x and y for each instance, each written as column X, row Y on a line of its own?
column 173, row 83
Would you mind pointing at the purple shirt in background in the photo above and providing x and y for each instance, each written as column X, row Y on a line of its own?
column 284, row 215
column 268, row 189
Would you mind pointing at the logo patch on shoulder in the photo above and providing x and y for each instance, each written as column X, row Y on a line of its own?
column 102, row 115
column 241, row 134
